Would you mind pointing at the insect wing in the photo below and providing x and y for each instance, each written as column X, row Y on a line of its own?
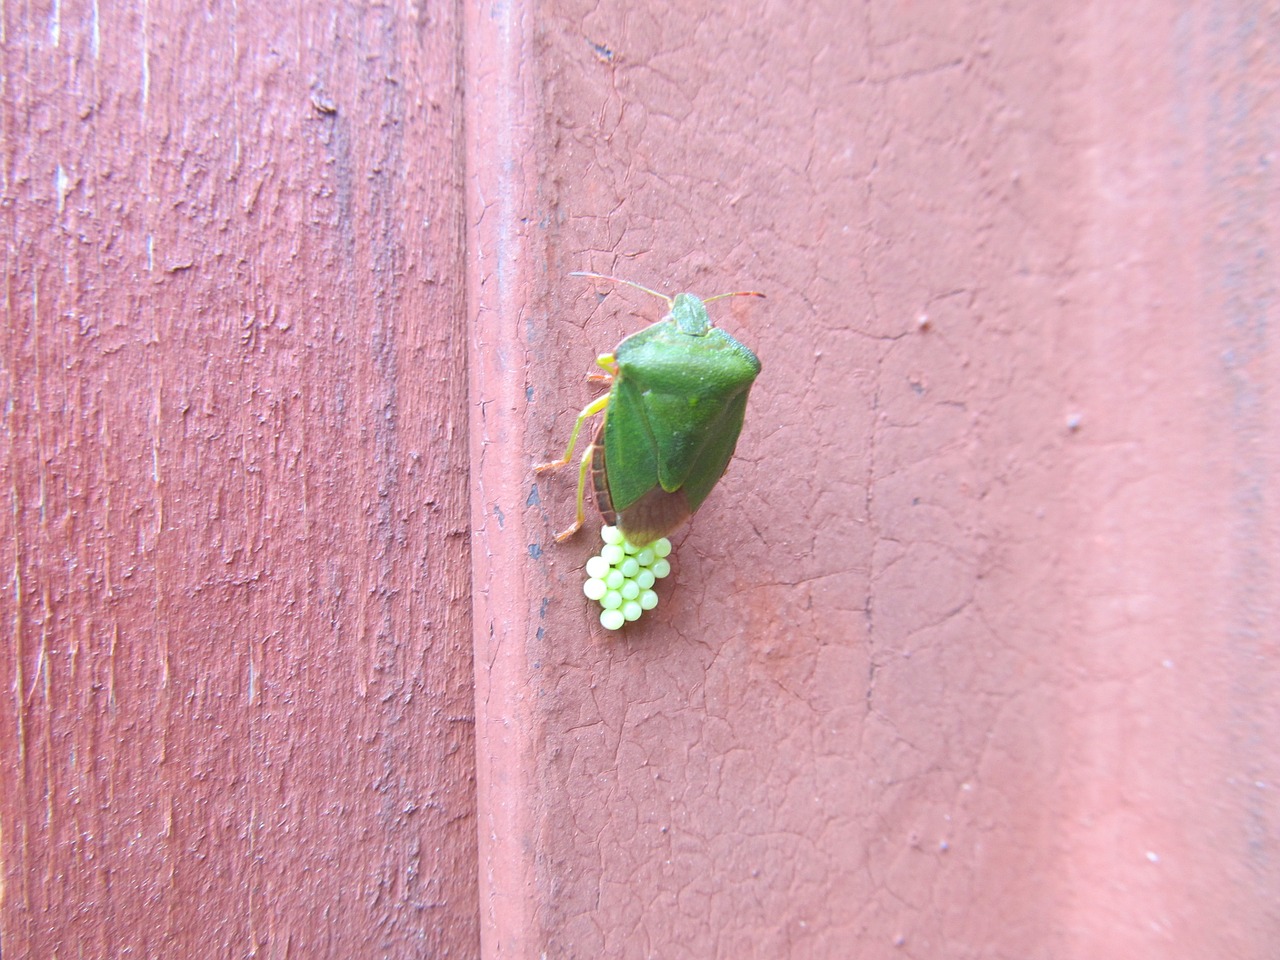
column 681, row 400
column 630, row 449
column 709, row 463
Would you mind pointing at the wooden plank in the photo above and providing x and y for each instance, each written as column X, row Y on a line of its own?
column 237, row 710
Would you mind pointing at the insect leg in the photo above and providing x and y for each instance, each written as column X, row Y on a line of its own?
column 581, row 516
column 610, row 365
column 590, row 410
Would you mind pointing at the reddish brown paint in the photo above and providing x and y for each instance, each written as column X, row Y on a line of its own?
column 237, row 686
column 972, row 652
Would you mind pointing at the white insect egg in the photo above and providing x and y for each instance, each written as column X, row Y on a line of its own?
column 621, row 577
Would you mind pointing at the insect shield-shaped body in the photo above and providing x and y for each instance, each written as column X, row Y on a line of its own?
column 671, row 419
column 674, row 414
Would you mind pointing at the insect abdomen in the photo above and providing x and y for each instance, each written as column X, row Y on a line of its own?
column 600, row 478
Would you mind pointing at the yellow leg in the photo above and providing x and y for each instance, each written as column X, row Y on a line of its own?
column 581, row 516
column 605, row 360
column 610, row 365
column 590, row 410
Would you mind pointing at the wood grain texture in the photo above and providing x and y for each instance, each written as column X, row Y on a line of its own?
column 237, row 710
column 972, row 652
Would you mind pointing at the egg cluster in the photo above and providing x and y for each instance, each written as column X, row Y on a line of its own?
column 622, row 575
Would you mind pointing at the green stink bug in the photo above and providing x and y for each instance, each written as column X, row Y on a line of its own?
column 677, row 396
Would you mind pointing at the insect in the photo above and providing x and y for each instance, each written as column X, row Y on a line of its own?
column 677, row 395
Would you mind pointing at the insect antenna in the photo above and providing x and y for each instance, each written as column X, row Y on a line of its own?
column 739, row 293
column 629, row 283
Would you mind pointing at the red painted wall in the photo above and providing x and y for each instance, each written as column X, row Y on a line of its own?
column 971, row 654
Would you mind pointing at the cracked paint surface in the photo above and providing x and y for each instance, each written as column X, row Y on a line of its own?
column 972, row 652
column 877, row 716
